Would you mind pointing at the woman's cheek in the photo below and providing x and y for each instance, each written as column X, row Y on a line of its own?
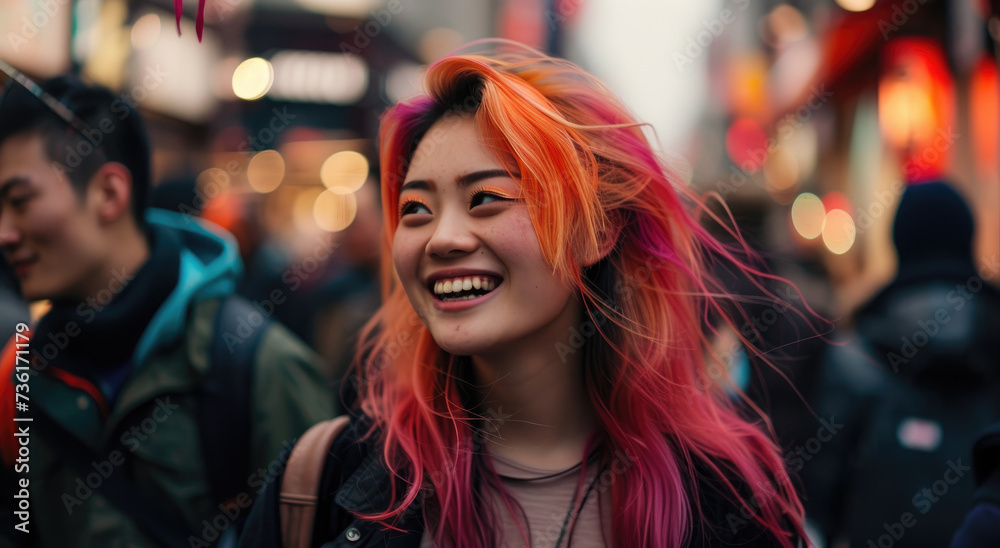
column 400, row 250
column 526, row 245
column 406, row 251
column 516, row 236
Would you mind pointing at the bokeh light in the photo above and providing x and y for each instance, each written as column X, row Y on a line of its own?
column 344, row 172
column 746, row 144
column 906, row 111
column 916, row 105
column 224, row 209
column 334, row 212
column 808, row 215
column 984, row 88
column 253, row 78
column 838, row 231
column 856, row 5
column 357, row 9
column 213, row 180
column 265, row 171
column 316, row 77
column 747, row 76
column 145, row 31
column 784, row 25
column 781, row 171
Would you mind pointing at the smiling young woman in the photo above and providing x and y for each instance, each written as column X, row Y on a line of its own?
column 537, row 374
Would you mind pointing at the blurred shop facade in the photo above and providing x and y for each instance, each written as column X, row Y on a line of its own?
column 811, row 117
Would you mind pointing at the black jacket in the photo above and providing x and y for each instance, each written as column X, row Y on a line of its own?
column 981, row 528
column 925, row 348
column 355, row 480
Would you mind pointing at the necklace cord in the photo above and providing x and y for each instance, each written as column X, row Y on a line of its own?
column 572, row 507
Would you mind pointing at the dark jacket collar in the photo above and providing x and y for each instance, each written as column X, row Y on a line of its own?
column 108, row 326
column 367, row 490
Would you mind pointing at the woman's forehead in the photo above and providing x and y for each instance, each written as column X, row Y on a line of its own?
column 452, row 147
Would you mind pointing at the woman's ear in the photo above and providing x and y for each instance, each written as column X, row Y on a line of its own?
column 594, row 256
column 606, row 242
column 109, row 192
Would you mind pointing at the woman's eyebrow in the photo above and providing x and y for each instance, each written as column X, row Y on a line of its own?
column 415, row 185
column 462, row 181
column 476, row 176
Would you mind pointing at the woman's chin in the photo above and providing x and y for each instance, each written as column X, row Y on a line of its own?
column 462, row 346
column 459, row 349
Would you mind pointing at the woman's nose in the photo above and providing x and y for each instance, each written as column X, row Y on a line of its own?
column 452, row 237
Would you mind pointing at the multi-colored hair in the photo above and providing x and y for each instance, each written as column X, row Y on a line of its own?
column 616, row 224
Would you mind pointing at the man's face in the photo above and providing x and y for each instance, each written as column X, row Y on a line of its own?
column 48, row 234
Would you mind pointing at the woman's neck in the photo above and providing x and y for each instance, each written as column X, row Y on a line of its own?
column 535, row 402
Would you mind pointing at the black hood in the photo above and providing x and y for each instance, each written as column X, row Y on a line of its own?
column 933, row 234
column 938, row 318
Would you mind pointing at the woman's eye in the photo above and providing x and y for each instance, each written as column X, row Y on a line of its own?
column 412, row 206
column 485, row 197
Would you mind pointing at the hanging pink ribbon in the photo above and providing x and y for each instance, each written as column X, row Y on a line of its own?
column 199, row 21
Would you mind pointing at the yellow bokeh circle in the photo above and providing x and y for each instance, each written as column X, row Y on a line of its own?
column 333, row 211
column 253, row 78
column 265, row 171
column 808, row 215
column 344, row 172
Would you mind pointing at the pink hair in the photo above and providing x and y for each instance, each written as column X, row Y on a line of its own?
column 597, row 195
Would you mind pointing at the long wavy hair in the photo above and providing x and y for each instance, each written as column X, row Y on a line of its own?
column 616, row 224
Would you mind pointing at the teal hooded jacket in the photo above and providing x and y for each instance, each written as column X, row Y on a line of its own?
column 143, row 422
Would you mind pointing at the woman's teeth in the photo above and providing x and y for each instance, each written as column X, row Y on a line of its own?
column 480, row 284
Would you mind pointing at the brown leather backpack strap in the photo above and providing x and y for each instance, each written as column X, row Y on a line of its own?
column 300, row 484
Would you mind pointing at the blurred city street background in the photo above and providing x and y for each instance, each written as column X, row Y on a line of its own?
column 807, row 117
column 810, row 118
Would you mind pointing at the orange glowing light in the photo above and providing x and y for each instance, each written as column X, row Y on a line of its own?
column 984, row 116
column 916, row 102
column 906, row 112
column 225, row 210
column 747, row 83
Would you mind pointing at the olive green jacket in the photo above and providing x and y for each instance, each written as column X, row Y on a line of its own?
column 166, row 457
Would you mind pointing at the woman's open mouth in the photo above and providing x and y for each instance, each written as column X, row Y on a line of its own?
column 464, row 288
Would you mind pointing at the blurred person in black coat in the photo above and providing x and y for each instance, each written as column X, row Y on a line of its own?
column 910, row 391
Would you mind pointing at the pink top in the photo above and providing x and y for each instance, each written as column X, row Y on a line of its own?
column 545, row 496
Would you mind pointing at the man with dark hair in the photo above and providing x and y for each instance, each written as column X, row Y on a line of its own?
column 115, row 134
column 157, row 404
